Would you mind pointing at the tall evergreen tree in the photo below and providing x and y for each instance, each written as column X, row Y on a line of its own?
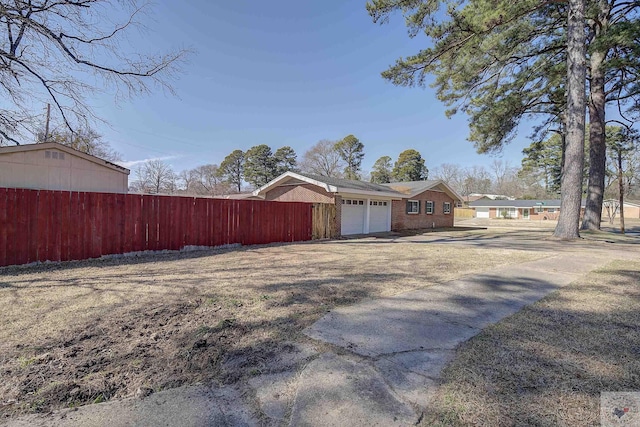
column 382, row 170
column 259, row 165
column 232, row 168
column 571, row 183
column 352, row 152
column 285, row 160
column 543, row 159
column 410, row 167
column 501, row 61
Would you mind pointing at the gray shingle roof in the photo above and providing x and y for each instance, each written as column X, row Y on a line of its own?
column 411, row 187
column 347, row 183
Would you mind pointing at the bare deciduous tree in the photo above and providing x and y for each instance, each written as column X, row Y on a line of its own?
column 155, row 177
column 49, row 48
column 85, row 139
column 204, row 180
column 323, row 159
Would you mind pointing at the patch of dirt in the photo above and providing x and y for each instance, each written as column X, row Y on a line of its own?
column 86, row 332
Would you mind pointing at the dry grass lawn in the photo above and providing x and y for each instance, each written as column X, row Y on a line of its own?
column 547, row 364
column 90, row 331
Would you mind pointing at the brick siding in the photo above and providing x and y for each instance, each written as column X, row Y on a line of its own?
column 401, row 220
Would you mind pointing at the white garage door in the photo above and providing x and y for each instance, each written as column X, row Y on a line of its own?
column 353, row 211
column 482, row 212
column 379, row 215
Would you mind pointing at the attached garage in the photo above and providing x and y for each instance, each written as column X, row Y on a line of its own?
column 354, row 216
column 361, row 207
column 482, row 212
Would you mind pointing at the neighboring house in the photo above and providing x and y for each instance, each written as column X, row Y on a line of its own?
column 52, row 166
column 631, row 208
column 518, row 209
column 424, row 204
column 475, row 196
column 364, row 207
column 361, row 207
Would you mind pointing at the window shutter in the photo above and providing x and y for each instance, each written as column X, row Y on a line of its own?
column 418, row 203
column 408, row 207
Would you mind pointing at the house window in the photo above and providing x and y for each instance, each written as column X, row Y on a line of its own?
column 428, row 207
column 360, row 202
column 384, row 203
column 348, row 202
column 446, row 208
column 551, row 210
column 506, row 212
column 539, row 209
column 413, row 206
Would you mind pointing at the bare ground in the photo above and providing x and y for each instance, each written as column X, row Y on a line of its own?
column 547, row 364
column 84, row 332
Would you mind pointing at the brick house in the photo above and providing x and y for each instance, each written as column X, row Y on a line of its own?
column 518, row 209
column 361, row 207
column 364, row 207
column 424, row 204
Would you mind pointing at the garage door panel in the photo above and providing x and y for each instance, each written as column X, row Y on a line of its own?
column 379, row 218
column 352, row 220
column 482, row 212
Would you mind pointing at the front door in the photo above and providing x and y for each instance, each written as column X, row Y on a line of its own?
column 525, row 213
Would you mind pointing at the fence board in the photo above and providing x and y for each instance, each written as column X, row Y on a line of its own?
column 76, row 230
column 65, row 225
column 42, row 228
column 11, row 227
column 22, row 228
column 4, row 229
column 55, row 233
column 39, row 225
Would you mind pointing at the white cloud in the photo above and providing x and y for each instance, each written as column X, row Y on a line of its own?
column 130, row 163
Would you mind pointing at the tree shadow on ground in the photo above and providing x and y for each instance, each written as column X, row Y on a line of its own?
column 548, row 364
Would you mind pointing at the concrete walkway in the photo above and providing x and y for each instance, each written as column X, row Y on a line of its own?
column 372, row 364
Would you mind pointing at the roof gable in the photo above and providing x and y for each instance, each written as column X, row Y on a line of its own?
column 329, row 184
column 64, row 148
column 413, row 188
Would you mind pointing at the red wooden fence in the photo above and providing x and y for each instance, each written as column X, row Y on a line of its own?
column 39, row 225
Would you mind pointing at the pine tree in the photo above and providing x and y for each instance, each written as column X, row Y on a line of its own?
column 410, row 167
column 232, row 168
column 382, row 168
column 259, row 165
column 351, row 150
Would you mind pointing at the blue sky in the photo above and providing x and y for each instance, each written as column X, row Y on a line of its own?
column 283, row 73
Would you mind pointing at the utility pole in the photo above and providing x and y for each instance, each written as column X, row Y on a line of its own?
column 46, row 128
